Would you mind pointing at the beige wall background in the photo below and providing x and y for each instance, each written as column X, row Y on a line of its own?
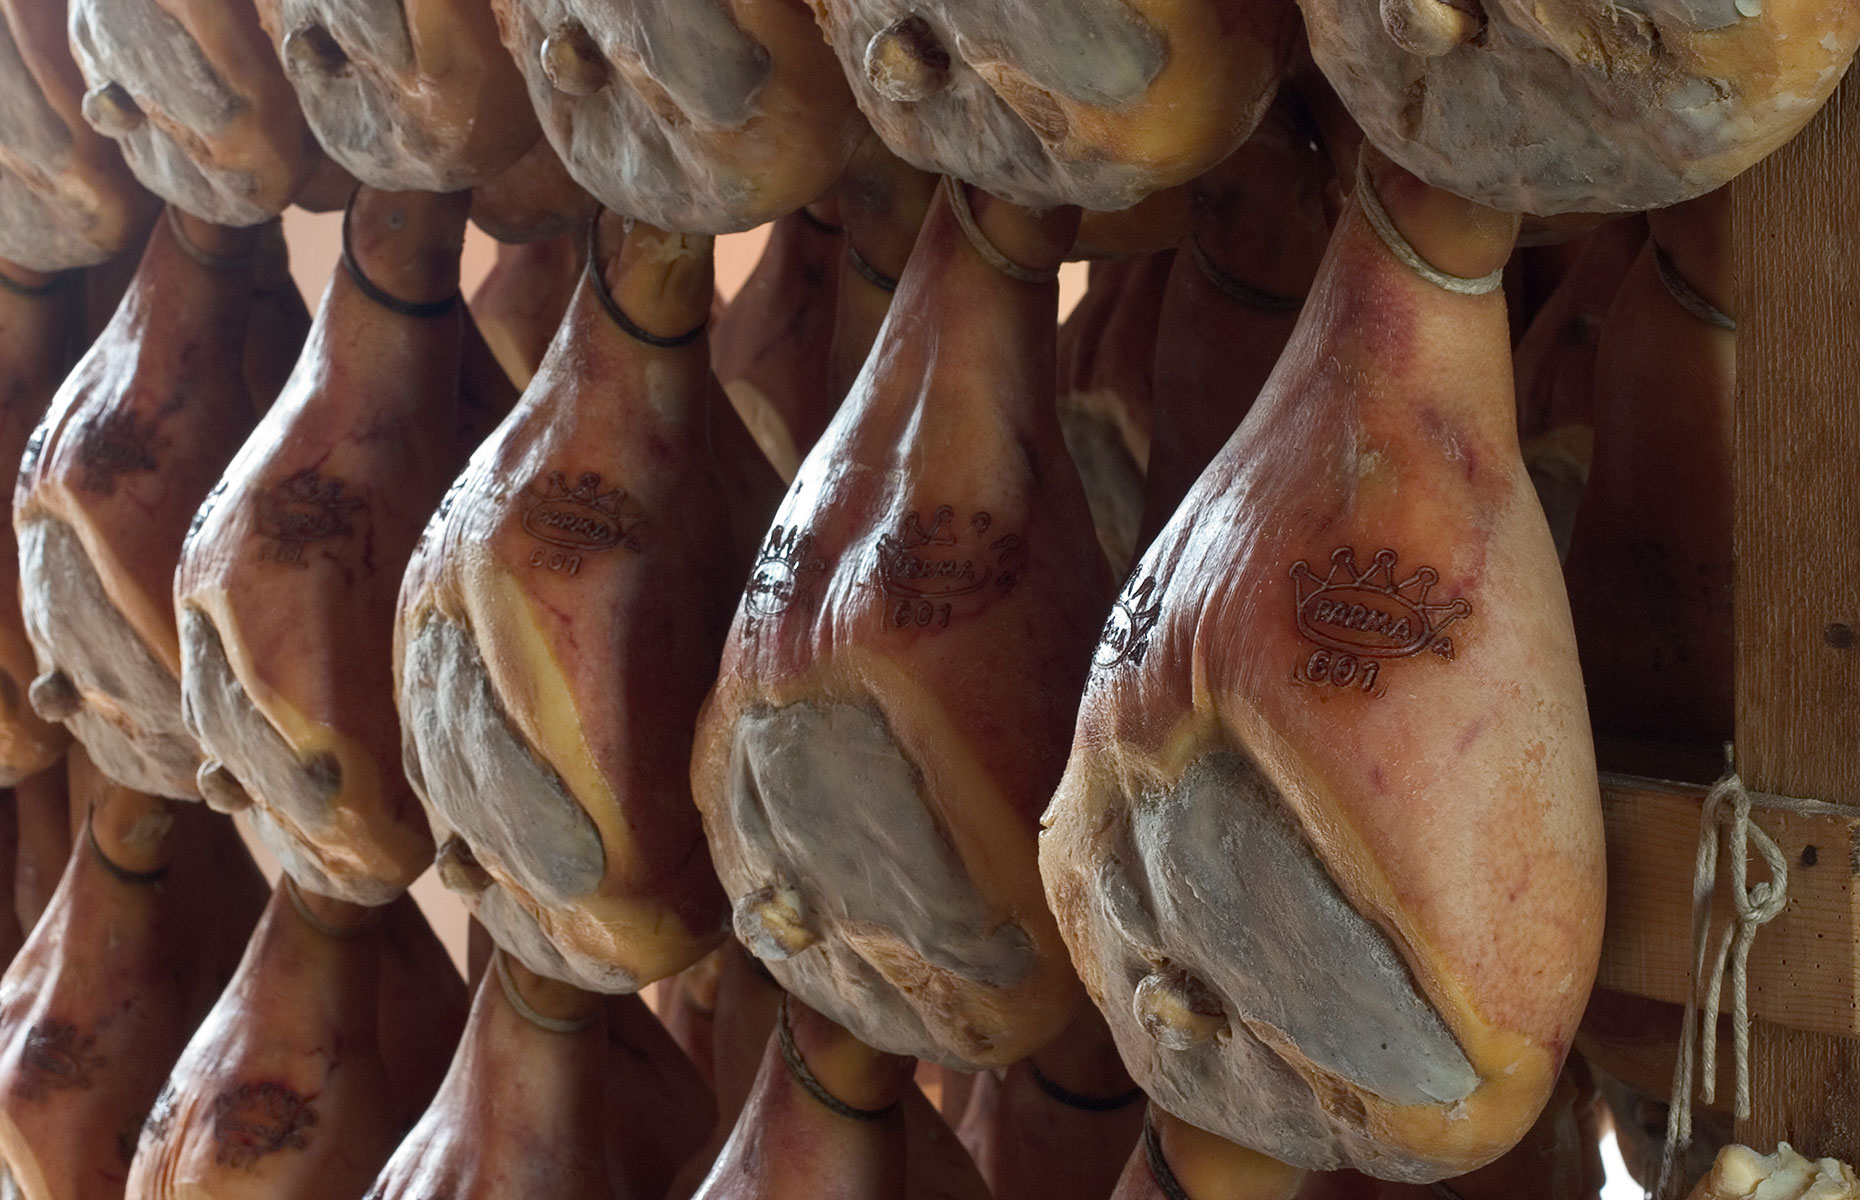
column 315, row 241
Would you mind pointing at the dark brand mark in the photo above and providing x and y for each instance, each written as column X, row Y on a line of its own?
column 305, row 508
column 924, row 570
column 56, row 1057
column 581, row 520
column 1126, row 636
column 783, row 568
column 116, row 444
column 256, row 1119
column 1362, row 616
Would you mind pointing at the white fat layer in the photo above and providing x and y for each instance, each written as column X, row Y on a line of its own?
column 634, row 157
column 1213, row 877
column 139, row 46
column 130, row 722
column 823, row 801
column 1096, row 52
column 231, row 729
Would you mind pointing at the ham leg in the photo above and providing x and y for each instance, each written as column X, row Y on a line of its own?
column 896, row 693
column 1341, row 688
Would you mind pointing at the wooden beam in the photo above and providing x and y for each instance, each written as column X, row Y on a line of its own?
column 1804, row 966
column 1798, row 551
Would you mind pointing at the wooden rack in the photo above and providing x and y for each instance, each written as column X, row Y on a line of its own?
column 1797, row 593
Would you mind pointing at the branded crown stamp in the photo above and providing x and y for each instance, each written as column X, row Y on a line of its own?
column 1126, row 636
column 1361, row 616
column 303, row 509
column 925, row 569
column 783, row 568
column 582, row 517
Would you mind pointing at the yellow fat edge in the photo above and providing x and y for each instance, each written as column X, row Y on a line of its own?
column 1515, row 1072
column 645, row 938
column 361, row 775
column 997, row 848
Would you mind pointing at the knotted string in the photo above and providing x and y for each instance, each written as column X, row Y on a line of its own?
column 1726, row 816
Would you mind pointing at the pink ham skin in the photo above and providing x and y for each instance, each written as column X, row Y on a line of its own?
column 948, row 449
column 1435, row 839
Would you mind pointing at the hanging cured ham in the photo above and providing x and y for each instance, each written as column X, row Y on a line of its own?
column 1046, row 102
column 1061, row 1122
column 1578, row 106
column 773, row 344
column 144, row 931
column 407, row 95
column 1743, row 1174
column 1555, row 371
column 830, row 1117
column 40, row 331
column 134, row 440
column 287, row 587
column 1107, row 349
column 1559, row 1159
column 796, row 336
column 1175, row 1160
column 194, row 96
column 897, row 690
column 706, row 118
column 1258, row 224
column 1341, row 687
column 555, row 1092
column 67, row 199
column 597, row 540
column 1650, row 556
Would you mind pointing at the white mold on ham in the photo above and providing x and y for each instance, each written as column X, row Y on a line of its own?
column 1585, row 105
column 703, row 115
column 1044, row 102
column 407, row 95
column 194, row 96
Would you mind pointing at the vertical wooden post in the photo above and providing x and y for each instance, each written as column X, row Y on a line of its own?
column 1797, row 222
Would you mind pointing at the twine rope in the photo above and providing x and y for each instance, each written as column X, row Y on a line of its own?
column 991, row 253
column 1239, row 291
column 206, row 258
column 1408, row 256
column 810, row 1083
column 340, row 933
column 1688, row 297
column 570, row 1025
column 122, row 873
column 616, row 314
column 1725, row 818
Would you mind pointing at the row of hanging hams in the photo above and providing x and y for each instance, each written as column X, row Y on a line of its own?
column 1165, row 733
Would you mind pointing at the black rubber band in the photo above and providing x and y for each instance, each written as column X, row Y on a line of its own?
column 867, row 271
column 34, row 291
column 618, row 315
column 1237, row 291
column 1166, row 1182
column 1079, row 1100
column 423, row 311
column 797, row 1066
column 122, row 873
column 819, row 224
